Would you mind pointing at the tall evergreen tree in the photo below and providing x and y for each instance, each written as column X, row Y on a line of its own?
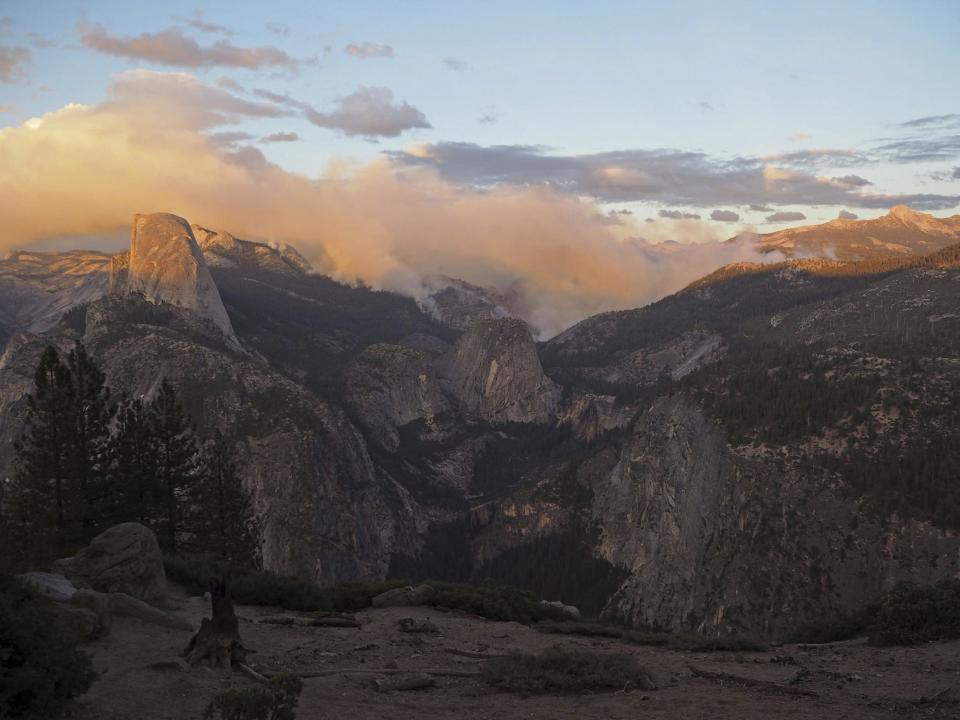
column 222, row 522
column 176, row 458
column 134, row 466
column 41, row 497
column 88, row 458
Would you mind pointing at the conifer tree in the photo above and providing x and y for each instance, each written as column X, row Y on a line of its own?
column 134, row 467
column 91, row 412
column 176, row 457
column 222, row 519
column 41, row 500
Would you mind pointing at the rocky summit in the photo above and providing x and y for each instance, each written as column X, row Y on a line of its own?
column 724, row 459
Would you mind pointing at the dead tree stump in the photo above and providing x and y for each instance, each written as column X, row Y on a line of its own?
column 217, row 642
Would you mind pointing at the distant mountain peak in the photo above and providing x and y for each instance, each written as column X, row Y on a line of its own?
column 905, row 212
column 166, row 265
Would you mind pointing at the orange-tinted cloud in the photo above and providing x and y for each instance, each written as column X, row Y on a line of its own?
column 85, row 170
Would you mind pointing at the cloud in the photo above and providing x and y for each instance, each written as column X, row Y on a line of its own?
column 800, row 137
column 171, row 47
column 785, row 216
column 928, row 148
column 704, row 106
column 666, row 176
column 847, row 215
column 454, row 64
column 367, row 50
column 933, row 121
column 85, row 170
column 834, row 157
column 14, row 62
column 229, row 84
column 852, row 181
column 724, row 216
column 487, row 119
column 370, row 112
column 281, row 137
column 760, row 208
column 678, row 215
column 198, row 23
column 279, row 29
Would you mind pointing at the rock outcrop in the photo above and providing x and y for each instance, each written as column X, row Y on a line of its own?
column 221, row 249
column 389, row 386
column 165, row 265
column 495, row 373
column 123, row 559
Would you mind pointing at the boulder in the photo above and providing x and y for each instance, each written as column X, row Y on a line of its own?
column 52, row 585
column 570, row 610
column 77, row 624
column 124, row 559
column 97, row 603
column 405, row 597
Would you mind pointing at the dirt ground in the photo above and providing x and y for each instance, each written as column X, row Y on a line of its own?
column 844, row 680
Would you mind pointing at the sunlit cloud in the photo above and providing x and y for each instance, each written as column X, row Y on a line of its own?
column 157, row 143
column 172, row 47
column 367, row 50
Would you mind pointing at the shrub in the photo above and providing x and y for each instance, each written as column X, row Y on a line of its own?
column 39, row 670
column 277, row 701
column 844, row 626
column 559, row 670
column 675, row 641
column 495, row 602
column 911, row 614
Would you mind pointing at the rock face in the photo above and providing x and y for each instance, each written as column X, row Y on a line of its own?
column 713, row 540
column 125, row 559
column 389, row 386
column 901, row 232
column 495, row 373
column 52, row 585
column 165, row 265
column 221, row 249
column 37, row 289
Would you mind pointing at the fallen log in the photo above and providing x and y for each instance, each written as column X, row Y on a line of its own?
column 439, row 672
column 767, row 685
column 474, row 655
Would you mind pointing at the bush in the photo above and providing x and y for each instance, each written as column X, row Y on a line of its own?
column 277, row 701
column 495, row 602
column 906, row 615
column 675, row 641
column 911, row 614
column 39, row 670
column 844, row 626
column 559, row 670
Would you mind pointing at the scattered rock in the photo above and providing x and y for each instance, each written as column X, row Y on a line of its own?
column 405, row 597
column 570, row 610
column 52, row 585
column 124, row 559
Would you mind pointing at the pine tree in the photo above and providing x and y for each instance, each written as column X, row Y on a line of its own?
column 134, row 466
column 176, row 462
column 88, row 456
column 222, row 519
column 41, row 500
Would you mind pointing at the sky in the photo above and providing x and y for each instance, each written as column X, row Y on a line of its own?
column 579, row 130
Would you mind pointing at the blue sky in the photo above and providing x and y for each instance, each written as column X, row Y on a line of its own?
column 731, row 80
